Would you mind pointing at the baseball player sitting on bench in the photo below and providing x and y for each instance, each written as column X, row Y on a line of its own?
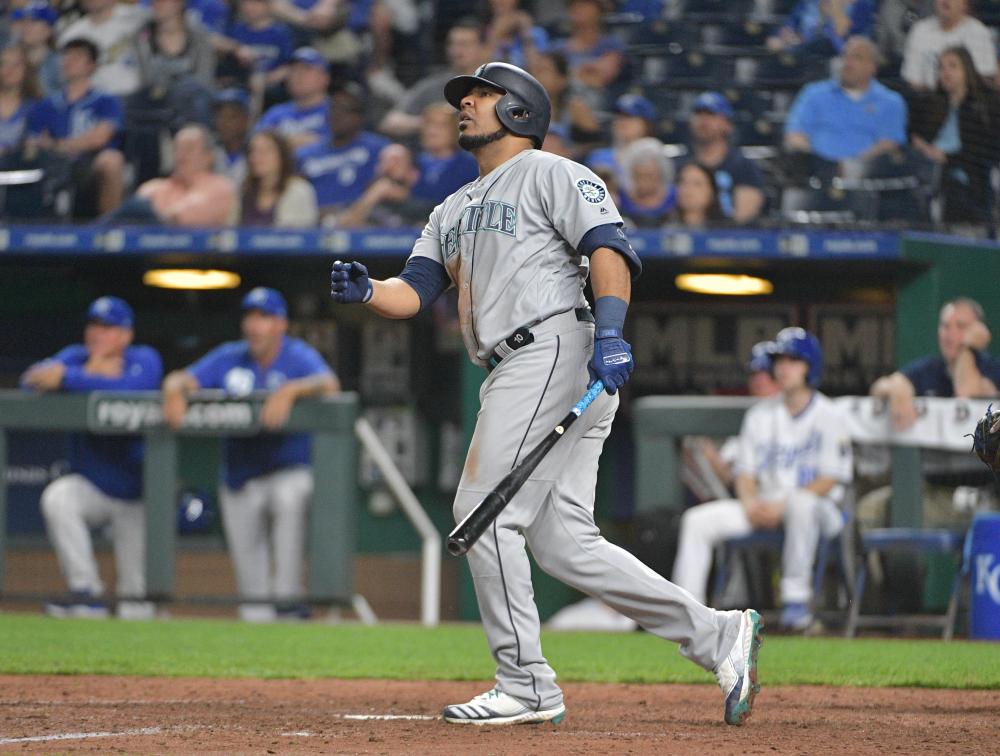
column 518, row 243
column 793, row 463
column 267, row 478
column 104, row 485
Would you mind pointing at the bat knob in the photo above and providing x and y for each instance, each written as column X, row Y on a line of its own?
column 457, row 546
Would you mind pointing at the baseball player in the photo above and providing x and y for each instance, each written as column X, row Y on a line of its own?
column 518, row 243
column 793, row 463
column 267, row 481
column 104, row 484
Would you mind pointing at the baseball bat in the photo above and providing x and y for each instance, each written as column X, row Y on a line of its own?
column 467, row 532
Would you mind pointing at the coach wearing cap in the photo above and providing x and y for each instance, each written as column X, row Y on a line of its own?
column 267, row 479
column 303, row 119
column 104, row 483
column 741, row 188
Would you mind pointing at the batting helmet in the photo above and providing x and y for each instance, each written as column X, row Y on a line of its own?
column 524, row 109
column 760, row 357
column 802, row 345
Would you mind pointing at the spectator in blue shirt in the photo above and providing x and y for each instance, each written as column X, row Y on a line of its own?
column 962, row 368
column 255, row 44
column 303, row 120
column 596, row 59
column 18, row 95
column 104, row 483
column 341, row 169
column 267, row 479
column 822, row 27
column 646, row 199
column 443, row 167
column 79, row 129
column 33, row 27
column 231, row 119
column 511, row 34
column 853, row 118
column 634, row 119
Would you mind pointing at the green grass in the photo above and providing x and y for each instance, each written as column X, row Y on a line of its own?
column 216, row 648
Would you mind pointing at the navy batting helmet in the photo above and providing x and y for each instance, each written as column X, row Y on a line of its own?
column 802, row 345
column 760, row 357
column 524, row 109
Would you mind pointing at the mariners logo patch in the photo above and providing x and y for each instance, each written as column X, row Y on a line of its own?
column 592, row 191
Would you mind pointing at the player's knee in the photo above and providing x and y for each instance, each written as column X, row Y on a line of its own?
column 109, row 162
column 55, row 497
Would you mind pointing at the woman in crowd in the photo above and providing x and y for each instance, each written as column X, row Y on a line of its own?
column 956, row 127
column 646, row 198
column 273, row 195
column 18, row 93
column 32, row 26
column 697, row 198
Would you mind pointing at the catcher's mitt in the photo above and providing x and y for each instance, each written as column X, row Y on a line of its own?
column 986, row 439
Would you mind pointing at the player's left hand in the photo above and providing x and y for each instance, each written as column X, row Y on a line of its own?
column 45, row 376
column 349, row 283
column 277, row 407
column 612, row 361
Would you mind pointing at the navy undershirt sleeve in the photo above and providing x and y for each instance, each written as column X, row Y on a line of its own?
column 426, row 277
column 612, row 236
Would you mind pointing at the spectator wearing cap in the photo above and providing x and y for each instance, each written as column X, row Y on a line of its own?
column 193, row 195
column 852, row 117
column 740, row 185
column 78, row 130
column 645, row 198
column 104, row 483
column 256, row 48
column 821, row 27
column 18, row 96
column 231, row 118
column 33, row 28
column 111, row 26
column 443, row 167
column 596, row 59
column 273, row 193
column 952, row 25
column 465, row 50
column 303, row 120
column 341, row 169
column 267, row 479
column 634, row 119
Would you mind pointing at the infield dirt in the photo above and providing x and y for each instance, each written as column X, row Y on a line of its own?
column 185, row 715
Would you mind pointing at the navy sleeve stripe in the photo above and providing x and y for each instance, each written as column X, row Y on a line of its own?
column 612, row 236
column 427, row 277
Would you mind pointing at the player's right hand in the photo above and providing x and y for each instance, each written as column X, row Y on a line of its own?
column 349, row 283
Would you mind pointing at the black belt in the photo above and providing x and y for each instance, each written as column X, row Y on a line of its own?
column 523, row 336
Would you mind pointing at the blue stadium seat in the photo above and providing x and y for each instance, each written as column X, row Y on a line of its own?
column 912, row 540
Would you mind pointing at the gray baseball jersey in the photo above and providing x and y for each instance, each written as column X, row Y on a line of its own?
column 508, row 241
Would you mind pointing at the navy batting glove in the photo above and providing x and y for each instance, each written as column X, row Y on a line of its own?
column 349, row 283
column 612, row 361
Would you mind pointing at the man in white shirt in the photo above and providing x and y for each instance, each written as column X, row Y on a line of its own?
column 794, row 461
column 950, row 26
column 111, row 26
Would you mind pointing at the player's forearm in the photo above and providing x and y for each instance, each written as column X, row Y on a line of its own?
column 313, row 385
column 968, row 381
column 180, row 382
column 610, row 275
column 746, row 488
column 394, row 298
column 895, row 388
column 821, row 486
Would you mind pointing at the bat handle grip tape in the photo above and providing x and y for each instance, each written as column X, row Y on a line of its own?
column 588, row 398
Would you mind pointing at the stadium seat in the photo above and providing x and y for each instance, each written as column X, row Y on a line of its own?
column 827, row 205
column 912, row 540
column 745, row 33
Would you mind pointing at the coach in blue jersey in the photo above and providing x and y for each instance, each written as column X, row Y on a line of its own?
column 267, row 480
column 104, row 484
column 303, row 120
column 341, row 169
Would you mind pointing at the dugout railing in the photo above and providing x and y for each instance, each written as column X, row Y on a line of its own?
column 337, row 434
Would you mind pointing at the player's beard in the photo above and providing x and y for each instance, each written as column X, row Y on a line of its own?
column 471, row 143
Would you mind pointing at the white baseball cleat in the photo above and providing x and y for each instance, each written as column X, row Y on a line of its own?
column 497, row 708
column 737, row 675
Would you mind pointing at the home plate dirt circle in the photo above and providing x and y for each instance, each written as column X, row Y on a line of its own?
column 184, row 715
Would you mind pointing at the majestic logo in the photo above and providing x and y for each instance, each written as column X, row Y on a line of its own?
column 492, row 215
column 593, row 192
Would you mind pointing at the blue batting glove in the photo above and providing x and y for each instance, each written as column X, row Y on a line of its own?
column 349, row 283
column 612, row 361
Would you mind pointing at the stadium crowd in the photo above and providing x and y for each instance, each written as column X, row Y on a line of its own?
column 300, row 113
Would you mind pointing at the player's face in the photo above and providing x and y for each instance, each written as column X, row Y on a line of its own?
column 761, row 384
column 478, row 116
column 106, row 340
column 956, row 319
column 790, row 373
column 263, row 332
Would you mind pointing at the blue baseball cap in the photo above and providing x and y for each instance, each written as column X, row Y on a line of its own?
column 713, row 102
column 267, row 301
column 110, row 311
column 760, row 357
column 636, row 106
column 234, row 96
column 311, row 57
column 36, row 11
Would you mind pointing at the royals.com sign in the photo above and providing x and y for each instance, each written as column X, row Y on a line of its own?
column 114, row 414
